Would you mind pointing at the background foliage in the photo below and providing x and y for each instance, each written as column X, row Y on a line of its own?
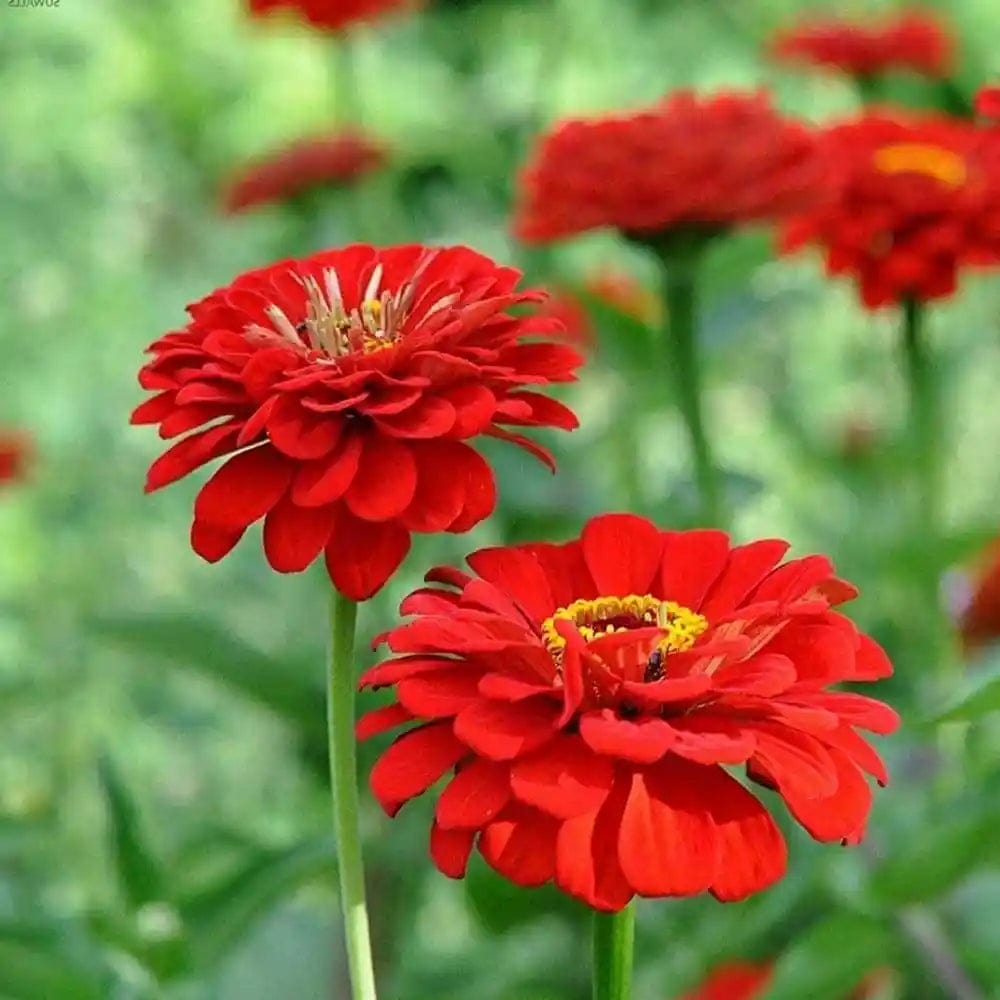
column 163, row 805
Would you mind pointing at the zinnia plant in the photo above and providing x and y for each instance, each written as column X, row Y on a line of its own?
column 586, row 701
column 979, row 614
column 322, row 161
column 674, row 177
column 332, row 15
column 750, row 981
column 988, row 103
column 343, row 390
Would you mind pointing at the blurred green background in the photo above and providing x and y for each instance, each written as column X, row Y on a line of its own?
column 163, row 804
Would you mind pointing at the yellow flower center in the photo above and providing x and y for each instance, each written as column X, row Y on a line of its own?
column 605, row 615
column 941, row 164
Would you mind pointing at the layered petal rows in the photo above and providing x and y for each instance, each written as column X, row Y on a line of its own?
column 713, row 162
column 588, row 701
column 919, row 199
column 345, row 388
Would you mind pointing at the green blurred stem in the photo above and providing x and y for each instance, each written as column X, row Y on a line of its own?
column 344, row 780
column 681, row 259
column 924, row 419
column 869, row 88
column 614, row 937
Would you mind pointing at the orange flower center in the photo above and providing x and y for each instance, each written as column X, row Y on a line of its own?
column 936, row 162
column 605, row 615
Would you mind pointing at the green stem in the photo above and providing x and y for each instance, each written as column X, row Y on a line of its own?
column 344, row 780
column 614, row 936
column 681, row 269
column 924, row 420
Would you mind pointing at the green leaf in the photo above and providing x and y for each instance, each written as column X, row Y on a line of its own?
column 981, row 698
column 289, row 688
column 944, row 854
column 29, row 972
column 219, row 915
column 830, row 959
column 139, row 870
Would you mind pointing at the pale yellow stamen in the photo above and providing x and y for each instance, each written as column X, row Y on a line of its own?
column 941, row 164
column 681, row 626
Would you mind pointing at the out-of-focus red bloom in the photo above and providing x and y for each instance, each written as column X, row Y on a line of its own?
column 979, row 621
column 589, row 698
column 333, row 15
column 988, row 103
column 335, row 160
column 712, row 162
column 345, row 388
column 912, row 40
column 749, row 980
column 15, row 449
column 920, row 199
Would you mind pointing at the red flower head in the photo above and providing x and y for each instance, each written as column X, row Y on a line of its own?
column 308, row 163
column 988, row 103
column 920, row 199
column 979, row 620
column 750, row 980
column 590, row 697
column 15, row 449
column 689, row 161
column 345, row 387
column 333, row 15
column 912, row 40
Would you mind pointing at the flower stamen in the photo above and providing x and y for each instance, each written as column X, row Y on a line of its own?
column 936, row 162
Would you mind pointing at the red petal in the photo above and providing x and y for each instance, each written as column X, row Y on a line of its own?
column 474, row 405
column 856, row 710
column 797, row 762
column 860, row 751
column 379, row 720
column 767, row 675
column 517, row 574
column 795, row 579
column 871, row 663
column 392, row 671
column 690, row 564
column 321, row 482
column 503, row 731
column 712, row 740
column 564, row 778
column 480, row 489
column 501, row 687
column 565, row 569
column 587, row 865
column 361, row 556
column 440, row 493
column 413, row 763
column 385, row 482
column 521, row 846
column 295, row 536
column 644, row 740
column 622, row 552
column 441, row 693
column 301, row 434
column 818, row 652
column 747, row 566
column 837, row 816
column 431, row 417
column 211, row 542
column 475, row 796
column 668, row 844
column 244, row 489
column 189, row 453
column 450, row 850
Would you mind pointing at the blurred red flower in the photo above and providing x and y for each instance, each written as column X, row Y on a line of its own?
column 750, row 980
column 920, row 199
column 913, row 40
column 15, row 450
column 345, row 387
column 979, row 622
column 333, row 15
column 988, row 103
column 590, row 696
column 710, row 162
column 335, row 160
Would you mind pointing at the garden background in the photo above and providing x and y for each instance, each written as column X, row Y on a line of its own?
column 163, row 793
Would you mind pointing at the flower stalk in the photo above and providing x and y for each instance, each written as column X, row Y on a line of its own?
column 613, row 941
column 681, row 258
column 343, row 775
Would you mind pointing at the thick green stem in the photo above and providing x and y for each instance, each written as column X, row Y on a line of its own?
column 344, row 780
column 614, row 936
column 681, row 270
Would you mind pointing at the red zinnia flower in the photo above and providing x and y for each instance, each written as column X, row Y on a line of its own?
column 590, row 696
column 912, row 40
column 305, row 164
column 345, row 386
column 14, row 451
column 988, row 103
column 920, row 198
column 979, row 620
column 333, row 15
column 709, row 162
column 750, row 980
